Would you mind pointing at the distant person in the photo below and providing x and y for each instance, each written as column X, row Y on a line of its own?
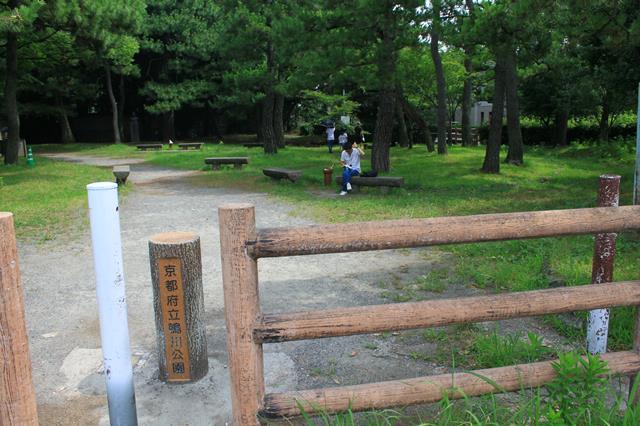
column 331, row 130
column 350, row 160
column 342, row 139
column 358, row 136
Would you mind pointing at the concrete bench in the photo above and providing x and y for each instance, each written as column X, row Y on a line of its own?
column 253, row 145
column 121, row 173
column 275, row 173
column 217, row 161
column 146, row 146
column 384, row 182
column 187, row 145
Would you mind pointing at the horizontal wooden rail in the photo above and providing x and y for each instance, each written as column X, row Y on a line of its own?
column 434, row 313
column 399, row 393
column 392, row 234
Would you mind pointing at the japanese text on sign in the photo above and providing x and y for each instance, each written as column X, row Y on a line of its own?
column 173, row 319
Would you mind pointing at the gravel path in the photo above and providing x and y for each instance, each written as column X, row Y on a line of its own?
column 63, row 321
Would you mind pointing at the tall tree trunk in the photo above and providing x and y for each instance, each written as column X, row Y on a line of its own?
column 403, row 136
column 278, row 120
column 492, row 154
column 604, row 119
column 288, row 109
column 383, row 131
column 63, row 119
column 386, row 67
column 114, row 105
column 441, row 84
column 168, row 126
column 560, row 127
column 419, row 120
column 267, row 115
column 266, row 124
column 515, row 155
column 467, row 90
column 11, row 96
column 121, row 107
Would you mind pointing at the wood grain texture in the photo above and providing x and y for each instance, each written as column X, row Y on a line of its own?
column 436, row 313
column 399, row 393
column 17, row 393
column 184, row 246
column 317, row 239
column 242, row 308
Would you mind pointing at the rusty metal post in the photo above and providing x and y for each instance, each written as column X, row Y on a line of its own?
column 602, row 270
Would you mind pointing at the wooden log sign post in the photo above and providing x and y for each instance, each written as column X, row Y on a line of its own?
column 17, row 394
column 176, row 273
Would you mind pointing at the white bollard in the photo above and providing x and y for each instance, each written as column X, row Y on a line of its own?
column 112, row 302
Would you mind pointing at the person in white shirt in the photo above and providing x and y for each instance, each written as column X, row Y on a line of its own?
column 331, row 130
column 350, row 160
column 342, row 139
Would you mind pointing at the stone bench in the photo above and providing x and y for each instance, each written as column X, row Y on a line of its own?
column 253, row 145
column 187, row 145
column 275, row 173
column 217, row 161
column 121, row 173
column 146, row 146
column 384, row 182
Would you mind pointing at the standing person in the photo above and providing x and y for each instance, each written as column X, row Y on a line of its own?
column 342, row 139
column 331, row 130
column 350, row 160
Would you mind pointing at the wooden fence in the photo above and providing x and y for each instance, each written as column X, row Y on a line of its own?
column 242, row 245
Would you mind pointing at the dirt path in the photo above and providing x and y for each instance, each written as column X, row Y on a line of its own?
column 63, row 322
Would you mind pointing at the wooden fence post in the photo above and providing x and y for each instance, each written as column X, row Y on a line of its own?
column 178, row 301
column 604, row 252
column 242, row 309
column 17, row 393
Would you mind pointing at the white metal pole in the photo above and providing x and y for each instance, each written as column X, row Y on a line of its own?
column 112, row 302
column 636, row 176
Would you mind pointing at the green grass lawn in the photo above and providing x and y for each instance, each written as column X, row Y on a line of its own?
column 48, row 199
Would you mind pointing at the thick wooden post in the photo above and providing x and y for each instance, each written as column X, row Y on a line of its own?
column 242, row 309
column 178, row 301
column 604, row 252
column 17, row 393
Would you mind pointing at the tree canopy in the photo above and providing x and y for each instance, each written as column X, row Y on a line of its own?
column 403, row 70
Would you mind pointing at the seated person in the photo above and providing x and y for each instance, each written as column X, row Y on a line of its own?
column 350, row 160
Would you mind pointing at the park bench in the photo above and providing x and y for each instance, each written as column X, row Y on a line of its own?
column 275, row 173
column 187, row 145
column 121, row 173
column 146, row 146
column 384, row 182
column 253, row 145
column 217, row 161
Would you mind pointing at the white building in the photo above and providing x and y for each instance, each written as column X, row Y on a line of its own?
column 480, row 113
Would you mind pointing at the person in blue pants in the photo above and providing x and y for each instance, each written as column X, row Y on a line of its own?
column 331, row 131
column 350, row 160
